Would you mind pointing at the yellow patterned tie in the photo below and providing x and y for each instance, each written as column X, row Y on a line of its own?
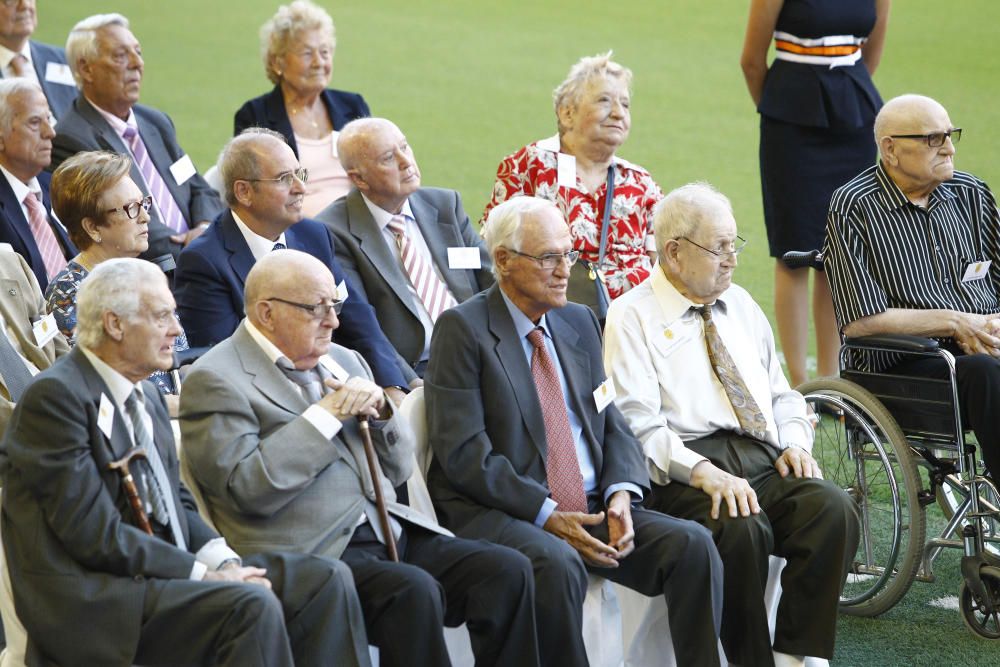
column 751, row 419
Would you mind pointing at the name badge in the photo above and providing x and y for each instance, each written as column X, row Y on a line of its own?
column 105, row 415
column 976, row 271
column 604, row 394
column 45, row 329
column 336, row 370
column 342, row 291
column 464, row 258
column 59, row 73
column 182, row 170
column 566, row 170
column 333, row 144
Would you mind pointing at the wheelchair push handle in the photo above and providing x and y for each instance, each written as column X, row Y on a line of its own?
column 797, row 259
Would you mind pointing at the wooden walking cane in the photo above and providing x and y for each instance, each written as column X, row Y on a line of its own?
column 373, row 468
column 128, row 483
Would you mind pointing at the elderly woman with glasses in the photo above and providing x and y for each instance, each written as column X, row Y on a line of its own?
column 575, row 168
column 107, row 217
column 297, row 45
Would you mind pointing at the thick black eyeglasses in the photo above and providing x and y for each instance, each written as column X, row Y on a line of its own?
column 285, row 179
column 737, row 247
column 551, row 260
column 934, row 139
column 317, row 310
column 132, row 210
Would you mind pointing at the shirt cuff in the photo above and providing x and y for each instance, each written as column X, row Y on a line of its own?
column 796, row 433
column 548, row 507
column 633, row 489
column 215, row 552
column 327, row 425
column 198, row 571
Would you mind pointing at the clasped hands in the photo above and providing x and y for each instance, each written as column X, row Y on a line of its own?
column 978, row 334
column 353, row 398
column 570, row 526
column 238, row 573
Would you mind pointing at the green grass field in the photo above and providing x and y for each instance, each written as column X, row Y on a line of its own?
column 470, row 82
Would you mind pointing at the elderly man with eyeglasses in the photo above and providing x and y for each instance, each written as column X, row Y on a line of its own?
column 727, row 442
column 909, row 250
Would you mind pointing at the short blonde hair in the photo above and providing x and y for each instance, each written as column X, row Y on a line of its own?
column 281, row 29
column 78, row 186
column 585, row 70
column 82, row 41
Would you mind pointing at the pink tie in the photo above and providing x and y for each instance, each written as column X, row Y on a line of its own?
column 19, row 65
column 45, row 238
column 170, row 214
column 431, row 289
column 562, row 468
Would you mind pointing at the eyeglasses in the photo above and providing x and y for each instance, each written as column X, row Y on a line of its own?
column 551, row 260
column 132, row 209
column 317, row 310
column 736, row 247
column 934, row 139
column 286, row 179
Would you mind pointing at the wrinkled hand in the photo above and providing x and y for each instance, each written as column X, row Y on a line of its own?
column 191, row 234
column 978, row 334
column 396, row 395
column 238, row 573
column 740, row 497
column 357, row 396
column 621, row 535
column 569, row 526
column 798, row 461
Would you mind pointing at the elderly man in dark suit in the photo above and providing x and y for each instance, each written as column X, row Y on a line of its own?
column 530, row 451
column 411, row 249
column 41, row 63
column 26, row 220
column 107, row 64
column 106, row 575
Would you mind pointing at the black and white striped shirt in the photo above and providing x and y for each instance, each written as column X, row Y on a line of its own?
column 882, row 251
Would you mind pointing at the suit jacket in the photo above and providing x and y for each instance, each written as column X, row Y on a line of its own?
column 269, row 111
column 59, row 95
column 212, row 271
column 14, row 228
column 22, row 304
column 484, row 419
column 83, row 128
column 374, row 266
column 270, row 479
column 77, row 562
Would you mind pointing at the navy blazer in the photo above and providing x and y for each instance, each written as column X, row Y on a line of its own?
column 212, row 272
column 269, row 111
column 59, row 95
column 14, row 229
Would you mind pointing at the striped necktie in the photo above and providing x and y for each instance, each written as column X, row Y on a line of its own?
column 170, row 213
column 45, row 238
column 429, row 287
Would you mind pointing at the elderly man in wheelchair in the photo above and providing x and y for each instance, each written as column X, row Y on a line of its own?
column 909, row 252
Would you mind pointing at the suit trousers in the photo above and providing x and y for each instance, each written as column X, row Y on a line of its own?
column 440, row 581
column 811, row 523
column 312, row 617
column 673, row 558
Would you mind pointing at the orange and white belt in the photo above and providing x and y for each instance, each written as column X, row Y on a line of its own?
column 834, row 50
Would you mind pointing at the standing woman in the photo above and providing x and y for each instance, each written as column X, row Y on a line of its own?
column 817, row 106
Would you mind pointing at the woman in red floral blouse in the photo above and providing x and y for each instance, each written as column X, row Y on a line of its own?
column 571, row 169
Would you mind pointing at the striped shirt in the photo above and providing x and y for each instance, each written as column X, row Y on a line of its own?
column 882, row 251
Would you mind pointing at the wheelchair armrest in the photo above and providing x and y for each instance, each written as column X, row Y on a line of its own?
column 796, row 259
column 894, row 342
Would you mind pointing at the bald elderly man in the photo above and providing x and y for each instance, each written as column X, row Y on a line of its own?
column 909, row 250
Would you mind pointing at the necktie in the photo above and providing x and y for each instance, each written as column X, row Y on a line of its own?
column 278, row 246
column 309, row 379
column 158, row 486
column 16, row 375
column 751, row 419
column 562, row 468
column 45, row 238
column 170, row 214
column 19, row 65
column 432, row 291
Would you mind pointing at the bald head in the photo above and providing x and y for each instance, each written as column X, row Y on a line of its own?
column 907, row 114
column 916, row 145
column 354, row 143
column 379, row 161
column 283, row 273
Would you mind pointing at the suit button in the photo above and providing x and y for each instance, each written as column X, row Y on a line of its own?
column 347, row 531
column 139, row 578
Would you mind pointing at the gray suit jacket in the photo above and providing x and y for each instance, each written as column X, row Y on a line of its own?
column 271, row 481
column 374, row 266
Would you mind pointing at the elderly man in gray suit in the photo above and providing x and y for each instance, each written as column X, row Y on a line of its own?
column 410, row 249
column 270, row 419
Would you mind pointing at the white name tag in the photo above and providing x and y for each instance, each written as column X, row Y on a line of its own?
column 336, row 370
column 566, row 170
column 333, row 144
column 182, row 170
column 59, row 73
column 105, row 415
column 45, row 330
column 464, row 258
column 604, row 394
column 342, row 291
column 976, row 271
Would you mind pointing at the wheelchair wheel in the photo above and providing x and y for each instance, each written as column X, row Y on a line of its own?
column 859, row 446
column 982, row 616
column 953, row 493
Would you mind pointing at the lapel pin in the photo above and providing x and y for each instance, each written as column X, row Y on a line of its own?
column 12, row 291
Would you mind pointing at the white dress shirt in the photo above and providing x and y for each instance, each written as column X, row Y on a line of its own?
column 655, row 351
column 259, row 245
column 21, row 189
column 6, row 55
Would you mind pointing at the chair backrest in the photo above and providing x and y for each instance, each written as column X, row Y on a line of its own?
column 412, row 410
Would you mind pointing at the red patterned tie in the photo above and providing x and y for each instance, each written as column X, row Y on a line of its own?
column 432, row 291
column 45, row 238
column 170, row 213
column 562, row 468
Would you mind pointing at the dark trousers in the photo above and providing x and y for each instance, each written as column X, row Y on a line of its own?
column 811, row 523
column 978, row 377
column 310, row 617
column 444, row 581
column 673, row 558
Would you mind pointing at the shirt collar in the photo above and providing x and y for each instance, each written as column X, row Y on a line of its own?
column 116, row 123
column 119, row 386
column 259, row 245
column 522, row 324
column 267, row 347
column 674, row 304
column 381, row 216
column 6, row 55
column 20, row 189
column 893, row 197
column 554, row 145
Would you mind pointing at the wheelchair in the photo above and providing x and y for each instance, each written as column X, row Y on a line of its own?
column 896, row 444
